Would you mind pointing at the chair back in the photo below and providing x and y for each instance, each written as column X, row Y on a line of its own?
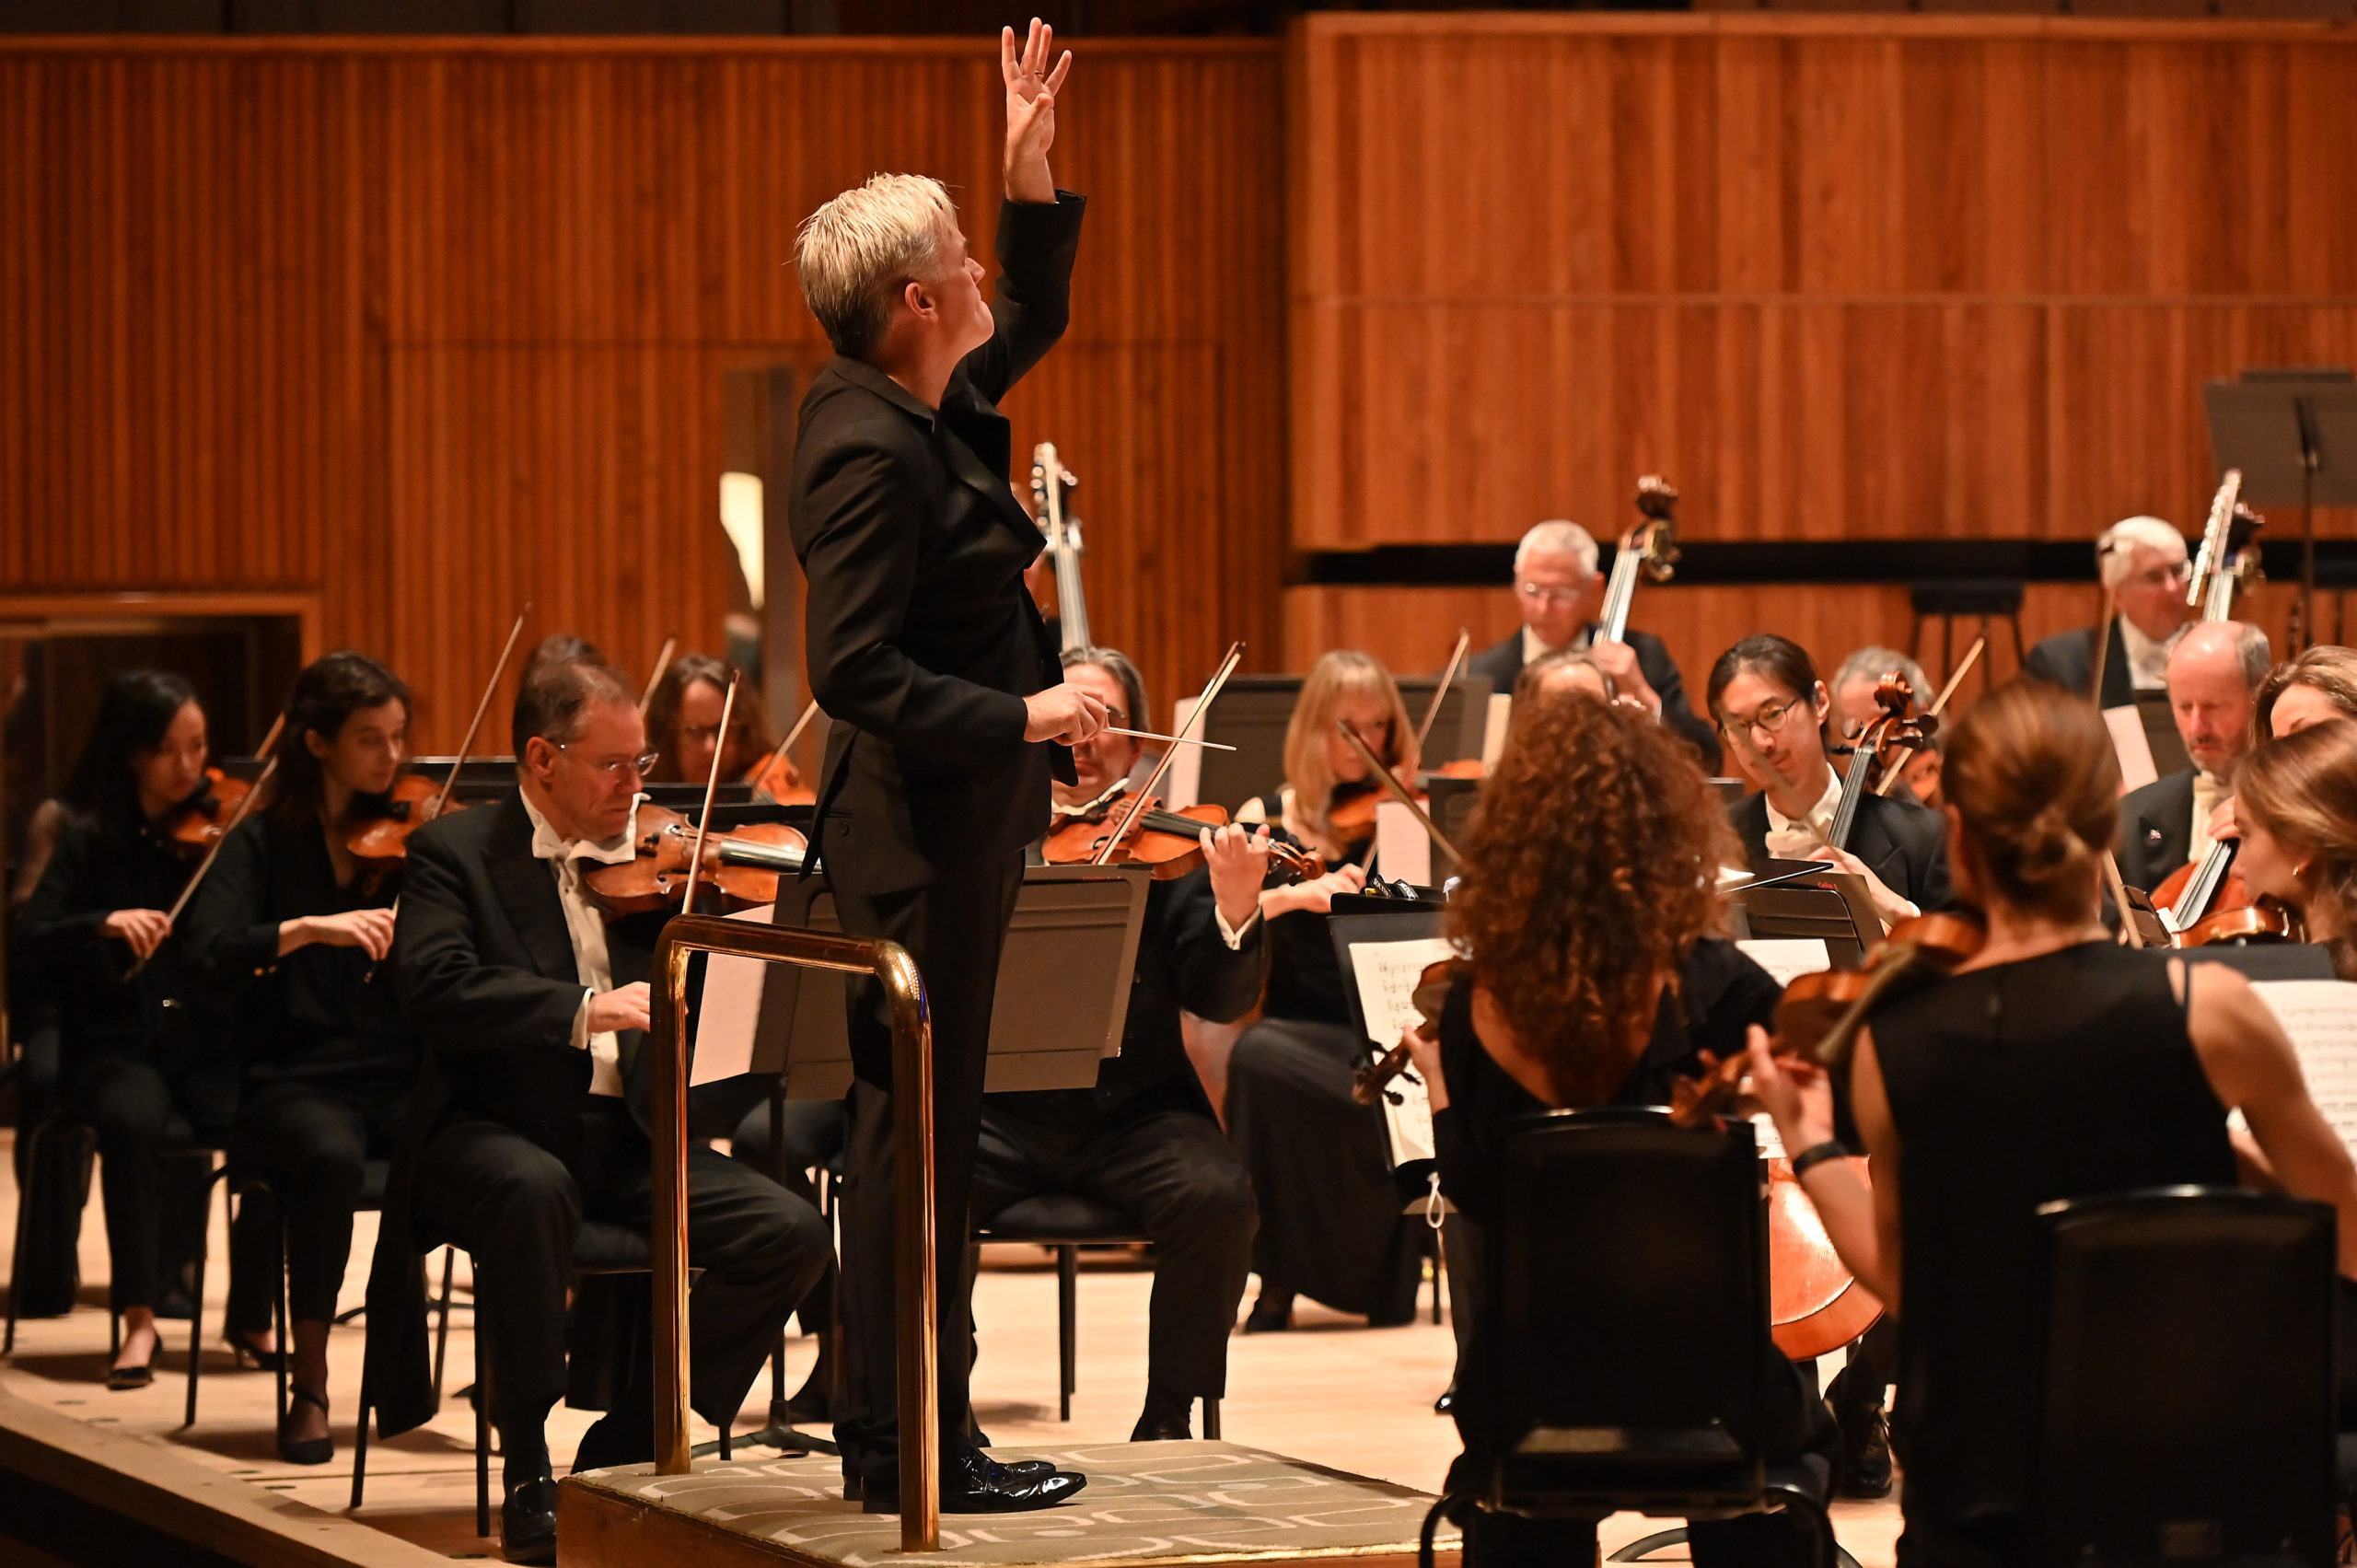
column 1627, row 1307
column 2186, row 1380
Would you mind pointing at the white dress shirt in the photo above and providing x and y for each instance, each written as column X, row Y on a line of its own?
column 2207, row 793
column 1791, row 840
column 584, row 922
column 2148, row 661
column 1533, row 650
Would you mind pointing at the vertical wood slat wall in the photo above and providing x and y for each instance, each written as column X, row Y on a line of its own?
column 434, row 328
column 1838, row 276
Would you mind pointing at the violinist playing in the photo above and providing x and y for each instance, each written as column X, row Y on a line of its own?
column 1773, row 712
column 2295, row 802
column 143, row 1061
column 290, row 928
column 1330, row 1222
column 2054, row 1064
column 1144, row 1140
column 683, row 723
column 1594, row 973
column 532, row 1006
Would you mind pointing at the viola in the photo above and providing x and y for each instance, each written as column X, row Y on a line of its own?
column 198, row 823
column 1169, row 841
column 743, row 864
column 2263, row 919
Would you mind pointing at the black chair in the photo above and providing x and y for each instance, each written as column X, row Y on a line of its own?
column 598, row 1248
column 1622, row 1332
column 30, row 1193
column 1066, row 1222
column 2187, row 1385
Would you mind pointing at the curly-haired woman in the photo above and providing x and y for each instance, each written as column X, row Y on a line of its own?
column 1594, row 971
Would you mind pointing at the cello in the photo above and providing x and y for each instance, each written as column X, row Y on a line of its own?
column 1648, row 551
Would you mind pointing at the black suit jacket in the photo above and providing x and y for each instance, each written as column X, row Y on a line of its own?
column 488, row 978
column 2068, row 659
column 2156, row 829
column 1502, row 661
column 921, row 638
column 1904, row 844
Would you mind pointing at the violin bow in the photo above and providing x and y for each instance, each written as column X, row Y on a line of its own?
column 2102, row 644
column 662, row 663
column 1203, row 705
column 711, row 790
column 809, row 712
column 1440, row 693
column 1399, row 792
column 213, row 851
column 1941, row 702
column 442, row 795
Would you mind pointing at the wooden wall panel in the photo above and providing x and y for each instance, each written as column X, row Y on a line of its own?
column 1836, row 276
column 432, row 326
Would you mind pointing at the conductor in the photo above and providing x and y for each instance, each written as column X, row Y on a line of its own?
column 951, row 716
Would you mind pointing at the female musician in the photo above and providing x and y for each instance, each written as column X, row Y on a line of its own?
column 2296, row 801
column 143, row 1064
column 2053, row 1064
column 1595, row 971
column 683, row 727
column 1331, row 1221
column 2320, row 685
column 1772, row 709
column 291, row 927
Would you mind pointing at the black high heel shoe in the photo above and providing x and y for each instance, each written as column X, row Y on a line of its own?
column 303, row 1450
column 122, row 1379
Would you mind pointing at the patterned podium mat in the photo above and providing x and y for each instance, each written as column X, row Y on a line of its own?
column 1145, row 1504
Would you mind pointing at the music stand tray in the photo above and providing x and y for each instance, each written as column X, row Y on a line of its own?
column 1064, row 985
column 1832, row 907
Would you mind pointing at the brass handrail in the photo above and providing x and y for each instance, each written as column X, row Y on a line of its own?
column 683, row 937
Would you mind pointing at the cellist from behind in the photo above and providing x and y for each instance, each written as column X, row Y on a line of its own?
column 1596, row 973
column 2053, row 1064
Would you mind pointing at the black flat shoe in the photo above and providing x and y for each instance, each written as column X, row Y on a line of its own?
column 303, row 1450
column 975, row 1483
column 122, row 1379
column 527, row 1523
column 1866, row 1453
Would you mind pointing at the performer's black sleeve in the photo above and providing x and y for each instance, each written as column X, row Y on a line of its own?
column 1037, row 242
column 1213, row 981
column 450, row 993
column 59, row 917
column 229, row 928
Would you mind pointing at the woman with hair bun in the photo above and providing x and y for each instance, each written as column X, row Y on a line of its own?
column 2296, row 800
column 2053, row 1064
column 290, row 927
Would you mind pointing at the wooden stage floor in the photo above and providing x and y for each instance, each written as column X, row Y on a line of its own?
column 1330, row 1392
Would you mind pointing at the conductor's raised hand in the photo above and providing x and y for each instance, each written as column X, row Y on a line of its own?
column 1031, row 90
column 1062, row 713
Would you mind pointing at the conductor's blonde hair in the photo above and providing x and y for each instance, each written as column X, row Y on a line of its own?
column 858, row 251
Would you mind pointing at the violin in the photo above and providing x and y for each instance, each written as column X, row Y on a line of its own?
column 1429, row 997
column 744, row 863
column 1169, row 841
column 2263, row 919
column 194, row 825
column 380, row 844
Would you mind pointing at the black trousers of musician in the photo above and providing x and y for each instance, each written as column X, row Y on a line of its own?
column 156, row 1209
column 309, row 1140
column 814, row 1130
column 1167, row 1166
column 517, row 1208
column 955, row 930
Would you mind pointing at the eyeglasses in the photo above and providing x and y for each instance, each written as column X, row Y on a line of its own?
column 1539, row 593
column 639, row 766
column 2166, row 575
column 1769, row 720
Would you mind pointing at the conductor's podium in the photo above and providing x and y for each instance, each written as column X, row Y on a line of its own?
column 1147, row 1503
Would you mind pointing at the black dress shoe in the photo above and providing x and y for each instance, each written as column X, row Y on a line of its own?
column 1866, row 1453
column 527, row 1522
column 616, row 1438
column 1268, row 1314
column 1447, row 1403
column 973, row 1482
column 1165, row 1418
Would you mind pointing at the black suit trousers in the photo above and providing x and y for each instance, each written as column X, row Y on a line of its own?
column 1172, row 1171
column 955, row 930
column 517, row 1208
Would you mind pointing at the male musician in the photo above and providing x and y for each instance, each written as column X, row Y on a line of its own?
column 533, row 1008
column 925, row 648
column 1144, row 1140
column 1560, row 592
column 2143, row 561
column 2215, row 672
column 1854, row 708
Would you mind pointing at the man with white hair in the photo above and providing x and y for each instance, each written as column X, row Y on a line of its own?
column 2143, row 561
column 951, row 715
column 1560, row 592
column 2214, row 674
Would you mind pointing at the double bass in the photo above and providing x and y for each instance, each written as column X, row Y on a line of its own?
column 1648, row 552
column 1052, row 485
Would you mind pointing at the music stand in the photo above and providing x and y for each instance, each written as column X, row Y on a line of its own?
column 2293, row 434
column 1253, row 712
column 1804, row 901
column 1407, row 1114
column 1064, row 985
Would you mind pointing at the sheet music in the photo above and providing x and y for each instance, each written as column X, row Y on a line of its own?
column 1785, row 957
column 1387, row 973
column 2321, row 1018
column 2127, row 726
column 729, row 1010
column 1493, row 728
column 1403, row 850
